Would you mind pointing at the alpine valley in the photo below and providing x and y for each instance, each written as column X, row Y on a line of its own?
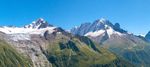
column 97, row 44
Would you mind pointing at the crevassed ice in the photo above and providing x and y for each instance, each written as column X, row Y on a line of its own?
column 17, row 37
column 17, row 34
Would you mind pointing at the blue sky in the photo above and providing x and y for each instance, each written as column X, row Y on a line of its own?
column 133, row 15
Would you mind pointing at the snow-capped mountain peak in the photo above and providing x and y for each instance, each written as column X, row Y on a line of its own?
column 36, row 27
column 40, row 23
column 102, row 20
column 98, row 28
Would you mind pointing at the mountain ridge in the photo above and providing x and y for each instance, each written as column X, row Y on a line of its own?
column 51, row 46
column 111, row 36
column 100, row 24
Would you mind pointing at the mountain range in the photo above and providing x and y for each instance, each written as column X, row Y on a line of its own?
column 110, row 36
column 97, row 44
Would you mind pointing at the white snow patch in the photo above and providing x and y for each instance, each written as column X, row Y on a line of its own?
column 110, row 31
column 76, row 27
column 142, row 35
column 95, row 34
column 33, row 22
column 102, row 20
column 106, row 26
column 16, row 30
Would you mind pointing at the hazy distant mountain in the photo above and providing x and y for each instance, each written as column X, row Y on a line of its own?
column 111, row 36
column 40, row 44
column 147, row 37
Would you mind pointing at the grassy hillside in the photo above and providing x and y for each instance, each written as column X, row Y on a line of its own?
column 131, row 48
column 80, row 52
column 9, row 57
